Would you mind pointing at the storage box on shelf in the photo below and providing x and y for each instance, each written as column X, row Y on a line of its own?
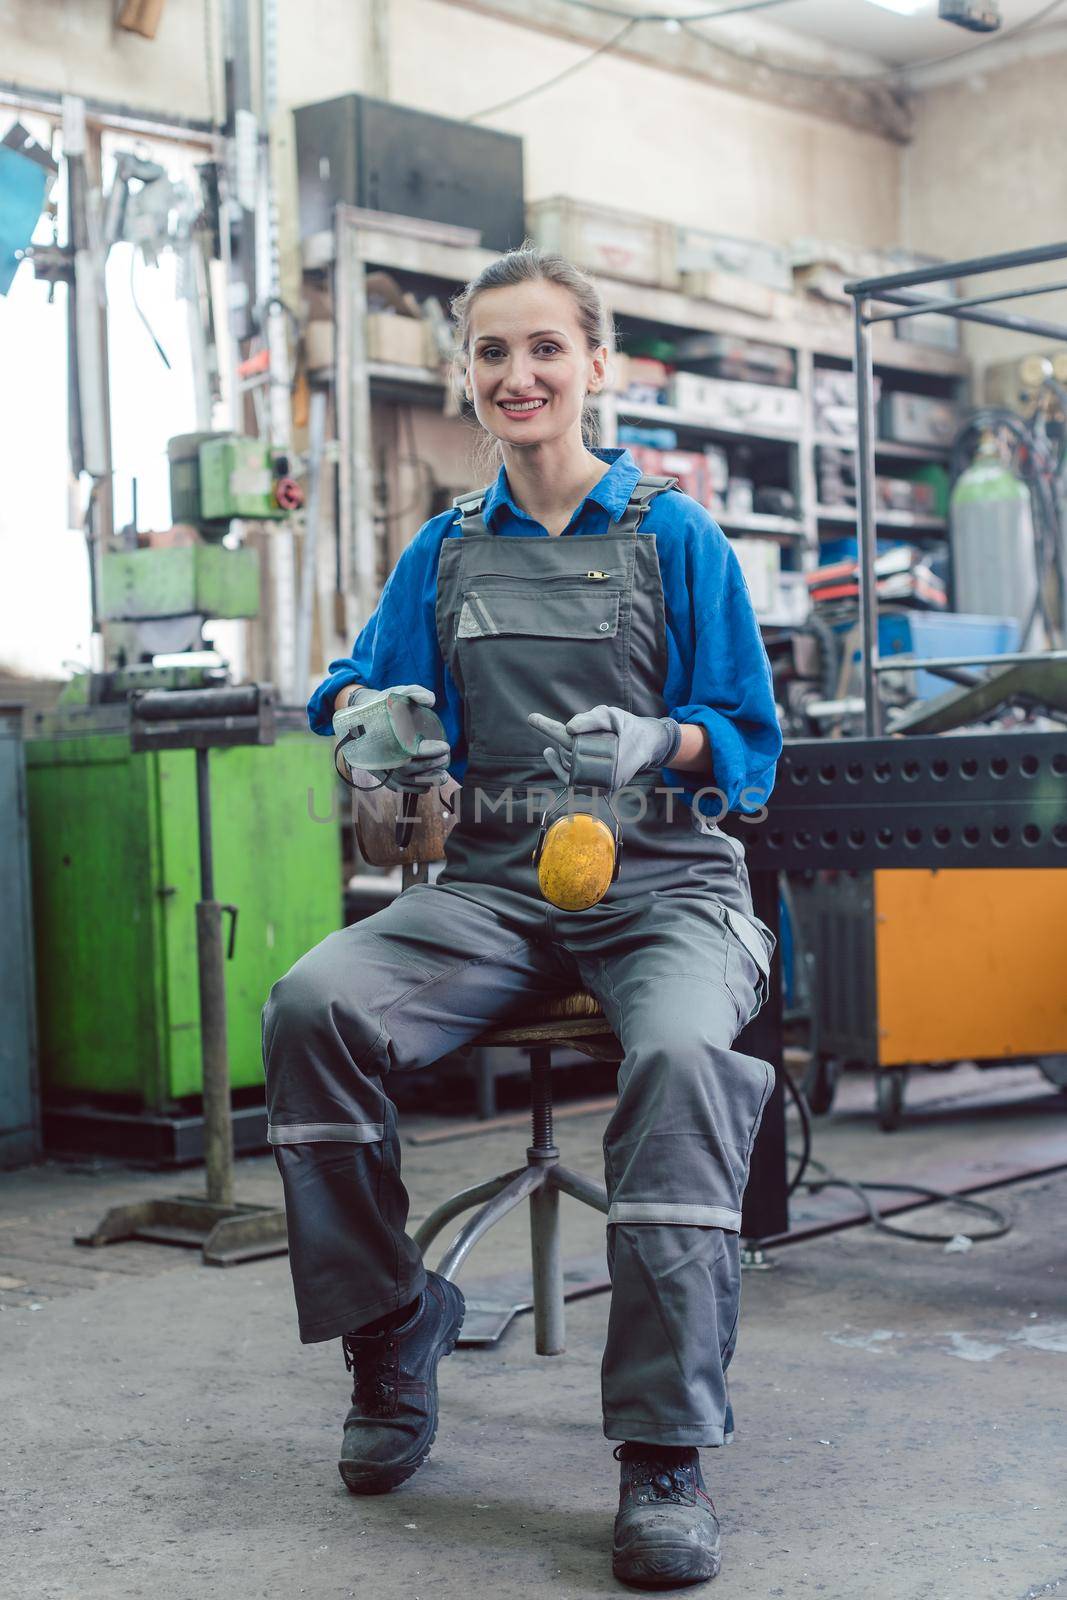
column 407, row 341
column 742, row 294
column 822, row 268
column 917, row 419
column 365, row 152
column 761, row 563
column 617, row 244
column 737, row 404
column 722, row 355
column 833, row 399
column 700, row 251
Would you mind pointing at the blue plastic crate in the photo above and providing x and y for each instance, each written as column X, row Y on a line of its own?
column 944, row 633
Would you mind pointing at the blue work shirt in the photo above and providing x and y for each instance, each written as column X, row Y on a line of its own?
column 717, row 669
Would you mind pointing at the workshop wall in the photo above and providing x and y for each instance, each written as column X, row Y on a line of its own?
column 985, row 175
column 627, row 135
column 74, row 48
column 647, row 140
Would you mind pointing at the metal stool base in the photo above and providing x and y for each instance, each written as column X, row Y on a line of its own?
column 541, row 1181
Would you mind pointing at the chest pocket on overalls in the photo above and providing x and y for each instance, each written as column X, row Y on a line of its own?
column 492, row 610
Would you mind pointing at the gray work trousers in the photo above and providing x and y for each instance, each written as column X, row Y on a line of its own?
column 431, row 972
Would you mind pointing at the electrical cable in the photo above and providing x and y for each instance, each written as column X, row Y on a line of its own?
column 632, row 21
column 891, row 75
column 539, row 88
column 137, row 307
column 829, row 1180
column 804, row 1114
column 712, row 15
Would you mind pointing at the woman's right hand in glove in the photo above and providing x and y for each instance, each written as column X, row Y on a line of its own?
column 428, row 768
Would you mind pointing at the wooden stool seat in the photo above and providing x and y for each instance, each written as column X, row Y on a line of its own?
column 575, row 1019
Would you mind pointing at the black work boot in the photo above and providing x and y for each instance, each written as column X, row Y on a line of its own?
column 393, row 1419
column 666, row 1532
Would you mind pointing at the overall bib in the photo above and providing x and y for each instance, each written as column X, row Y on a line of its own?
column 673, row 953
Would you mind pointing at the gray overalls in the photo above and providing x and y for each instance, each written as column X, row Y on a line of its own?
column 673, row 954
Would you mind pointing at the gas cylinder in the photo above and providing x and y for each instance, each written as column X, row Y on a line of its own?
column 994, row 561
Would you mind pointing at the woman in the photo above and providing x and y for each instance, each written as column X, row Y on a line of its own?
column 569, row 598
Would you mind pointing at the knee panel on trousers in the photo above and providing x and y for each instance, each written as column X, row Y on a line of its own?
column 315, row 1092
column 677, row 1148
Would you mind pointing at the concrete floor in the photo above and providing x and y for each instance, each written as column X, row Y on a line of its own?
column 901, row 1410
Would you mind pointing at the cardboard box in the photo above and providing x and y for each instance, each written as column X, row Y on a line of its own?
column 319, row 353
column 401, row 340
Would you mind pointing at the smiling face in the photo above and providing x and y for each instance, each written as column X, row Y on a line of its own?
column 529, row 366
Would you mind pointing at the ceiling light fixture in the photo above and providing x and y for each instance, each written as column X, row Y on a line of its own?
column 980, row 16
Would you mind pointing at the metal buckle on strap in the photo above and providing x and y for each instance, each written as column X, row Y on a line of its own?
column 470, row 504
column 645, row 490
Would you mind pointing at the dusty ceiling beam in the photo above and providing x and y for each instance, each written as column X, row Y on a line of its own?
column 794, row 83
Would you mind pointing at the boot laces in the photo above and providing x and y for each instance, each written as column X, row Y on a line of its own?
column 664, row 1481
column 372, row 1363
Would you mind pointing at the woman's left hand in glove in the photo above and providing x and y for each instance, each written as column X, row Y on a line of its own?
column 642, row 744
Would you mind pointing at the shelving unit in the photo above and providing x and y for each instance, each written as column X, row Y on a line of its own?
column 888, row 448
column 669, row 417
column 817, row 333
column 884, row 519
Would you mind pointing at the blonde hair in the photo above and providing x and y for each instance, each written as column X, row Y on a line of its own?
column 529, row 264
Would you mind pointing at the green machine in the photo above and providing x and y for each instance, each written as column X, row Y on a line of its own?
column 113, row 839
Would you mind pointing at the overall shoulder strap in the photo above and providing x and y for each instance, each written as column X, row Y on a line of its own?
column 469, row 507
column 645, row 490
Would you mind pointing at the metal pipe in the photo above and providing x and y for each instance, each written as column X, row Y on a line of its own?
column 580, row 1188
column 178, row 705
column 310, row 555
column 214, row 1057
column 112, row 114
column 203, row 812
column 922, row 307
column 969, row 661
column 867, row 287
column 990, row 319
column 529, row 1179
column 868, row 592
column 547, row 1256
column 465, row 1200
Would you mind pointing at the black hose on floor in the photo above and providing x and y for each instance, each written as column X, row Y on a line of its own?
column 829, row 1180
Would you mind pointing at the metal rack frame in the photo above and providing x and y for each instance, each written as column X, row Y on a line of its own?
column 896, row 290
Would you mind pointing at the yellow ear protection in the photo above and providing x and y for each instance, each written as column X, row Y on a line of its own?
column 578, row 855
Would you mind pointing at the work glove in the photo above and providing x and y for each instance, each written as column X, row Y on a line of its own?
column 642, row 743
column 425, row 770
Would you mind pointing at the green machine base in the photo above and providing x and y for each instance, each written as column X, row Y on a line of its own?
column 115, row 880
